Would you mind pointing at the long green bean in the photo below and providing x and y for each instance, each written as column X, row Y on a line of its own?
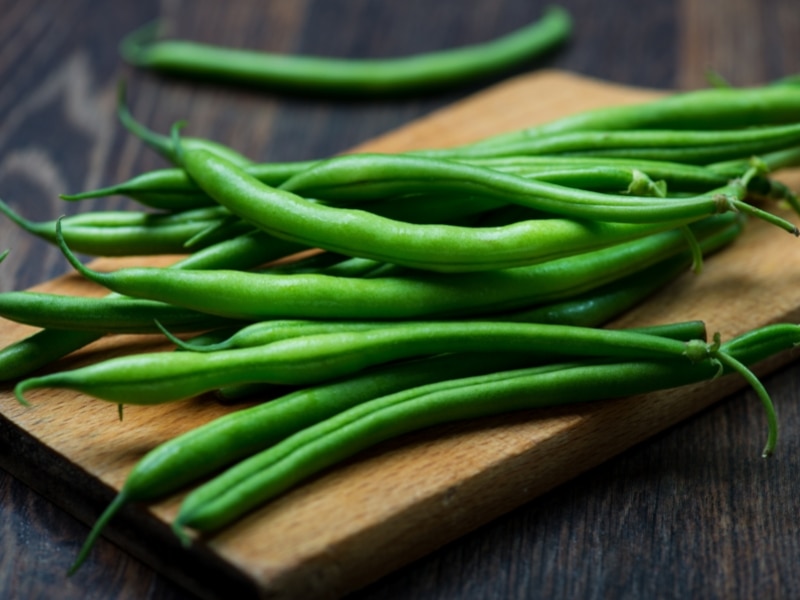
column 153, row 378
column 390, row 76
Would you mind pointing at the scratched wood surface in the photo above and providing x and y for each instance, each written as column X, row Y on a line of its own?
column 695, row 511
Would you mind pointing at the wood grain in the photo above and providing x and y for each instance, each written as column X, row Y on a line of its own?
column 404, row 499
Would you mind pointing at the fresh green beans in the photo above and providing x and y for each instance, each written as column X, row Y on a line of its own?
column 153, row 378
column 701, row 109
column 43, row 347
column 418, row 295
column 444, row 248
column 693, row 147
column 391, row 76
column 171, row 189
column 267, row 474
column 126, row 233
column 204, row 450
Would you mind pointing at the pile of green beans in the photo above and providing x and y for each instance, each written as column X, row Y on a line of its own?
column 410, row 289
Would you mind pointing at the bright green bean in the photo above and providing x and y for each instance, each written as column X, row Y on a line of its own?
column 171, row 189
column 390, row 76
column 125, row 233
column 153, row 378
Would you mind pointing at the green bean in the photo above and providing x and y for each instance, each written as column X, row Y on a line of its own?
column 152, row 378
column 358, row 177
column 171, row 189
column 701, row 109
column 566, row 170
column 124, row 233
column 391, row 76
column 267, row 332
column 163, row 144
column 772, row 161
column 352, row 179
column 273, row 471
column 101, row 315
column 255, row 297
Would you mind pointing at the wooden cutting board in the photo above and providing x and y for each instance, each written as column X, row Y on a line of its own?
column 402, row 500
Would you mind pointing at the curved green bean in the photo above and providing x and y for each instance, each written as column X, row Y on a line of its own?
column 391, row 76
column 171, row 189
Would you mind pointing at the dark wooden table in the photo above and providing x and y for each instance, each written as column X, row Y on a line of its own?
column 692, row 513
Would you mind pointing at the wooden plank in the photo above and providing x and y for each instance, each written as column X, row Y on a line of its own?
column 405, row 498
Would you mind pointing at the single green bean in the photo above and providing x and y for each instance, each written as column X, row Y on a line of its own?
column 772, row 161
column 102, row 315
column 171, row 189
column 569, row 170
column 152, row 378
column 390, row 76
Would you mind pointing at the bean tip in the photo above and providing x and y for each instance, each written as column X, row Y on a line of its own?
column 20, row 389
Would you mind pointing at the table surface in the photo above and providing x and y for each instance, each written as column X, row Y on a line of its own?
column 694, row 511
